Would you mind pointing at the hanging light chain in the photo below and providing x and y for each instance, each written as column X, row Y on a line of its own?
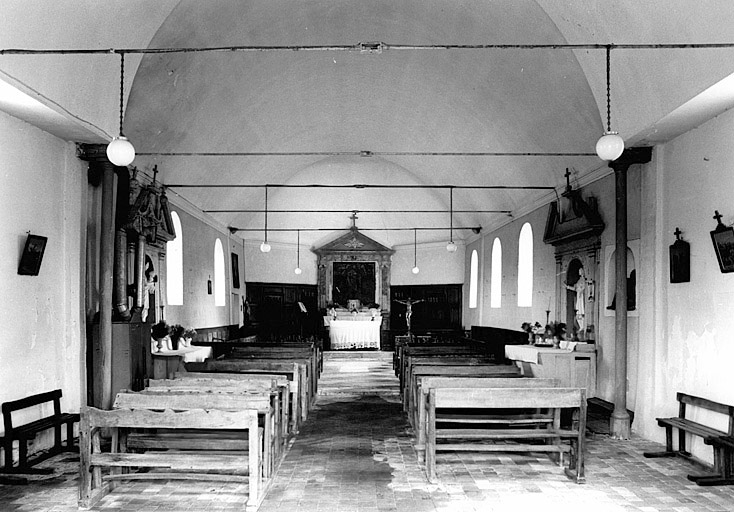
column 415, row 247
column 451, row 214
column 122, row 87
column 298, row 250
column 266, row 214
column 609, row 87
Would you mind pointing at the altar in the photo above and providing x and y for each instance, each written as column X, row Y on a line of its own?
column 356, row 331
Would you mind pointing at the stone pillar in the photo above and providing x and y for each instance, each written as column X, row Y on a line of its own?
column 620, row 421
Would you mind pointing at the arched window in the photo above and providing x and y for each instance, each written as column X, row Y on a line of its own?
column 219, row 281
column 525, row 267
column 473, row 278
column 174, row 264
column 495, row 288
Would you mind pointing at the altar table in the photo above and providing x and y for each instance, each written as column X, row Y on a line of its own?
column 355, row 333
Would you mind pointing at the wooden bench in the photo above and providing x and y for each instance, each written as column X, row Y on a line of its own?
column 410, row 394
column 116, row 463
column 281, row 382
column 694, row 428
column 425, row 384
column 414, row 362
column 27, row 432
column 554, row 400
column 271, row 416
column 293, row 371
column 725, row 445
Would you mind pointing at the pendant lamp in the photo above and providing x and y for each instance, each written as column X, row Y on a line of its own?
column 265, row 246
column 610, row 146
column 120, row 151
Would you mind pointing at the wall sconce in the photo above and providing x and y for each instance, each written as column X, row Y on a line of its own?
column 209, row 285
column 298, row 257
column 451, row 246
column 120, row 151
column 415, row 252
column 610, row 146
column 265, row 246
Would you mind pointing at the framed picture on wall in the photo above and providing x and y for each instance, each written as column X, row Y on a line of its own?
column 30, row 260
column 723, row 240
column 235, row 270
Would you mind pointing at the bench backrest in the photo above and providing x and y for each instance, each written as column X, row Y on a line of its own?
column 30, row 401
column 704, row 403
column 429, row 382
column 507, row 398
column 188, row 401
column 279, row 380
column 144, row 418
column 223, row 385
column 468, row 370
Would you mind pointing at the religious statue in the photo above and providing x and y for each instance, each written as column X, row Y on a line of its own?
column 580, row 302
column 408, row 309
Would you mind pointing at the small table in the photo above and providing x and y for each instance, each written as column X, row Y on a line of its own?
column 167, row 362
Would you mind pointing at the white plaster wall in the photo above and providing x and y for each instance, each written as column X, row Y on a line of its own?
column 278, row 265
column 689, row 347
column 199, row 309
column 510, row 316
column 436, row 264
column 42, row 184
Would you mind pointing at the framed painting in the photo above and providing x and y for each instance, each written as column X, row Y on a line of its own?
column 235, row 270
column 723, row 240
column 30, row 260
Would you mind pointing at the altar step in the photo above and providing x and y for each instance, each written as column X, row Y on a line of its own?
column 358, row 373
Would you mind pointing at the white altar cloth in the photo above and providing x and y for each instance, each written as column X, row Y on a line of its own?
column 355, row 333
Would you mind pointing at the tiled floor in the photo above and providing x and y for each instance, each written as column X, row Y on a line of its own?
column 354, row 454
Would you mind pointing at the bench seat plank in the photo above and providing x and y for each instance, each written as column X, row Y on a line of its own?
column 177, row 461
column 467, row 433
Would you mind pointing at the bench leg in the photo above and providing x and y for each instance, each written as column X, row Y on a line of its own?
column 668, row 446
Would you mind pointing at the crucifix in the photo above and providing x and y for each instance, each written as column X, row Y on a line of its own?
column 677, row 233
column 718, row 217
column 354, row 219
column 568, row 180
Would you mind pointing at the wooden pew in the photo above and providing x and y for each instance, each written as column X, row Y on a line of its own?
column 25, row 433
column 685, row 426
column 93, row 484
column 552, row 399
column 289, row 397
column 409, row 351
column 426, row 383
column 410, row 393
column 313, row 348
column 299, row 355
column 294, row 371
column 414, row 362
column 272, row 417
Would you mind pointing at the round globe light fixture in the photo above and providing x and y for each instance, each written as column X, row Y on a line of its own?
column 610, row 146
column 416, row 270
column 120, row 151
column 298, row 271
column 265, row 247
column 451, row 246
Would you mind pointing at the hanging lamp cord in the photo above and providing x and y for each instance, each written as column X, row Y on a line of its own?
column 415, row 247
column 266, row 214
column 122, row 86
column 298, row 249
column 609, row 88
column 451, row 214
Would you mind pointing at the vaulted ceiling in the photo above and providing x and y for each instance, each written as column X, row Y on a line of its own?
column 316, row 110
